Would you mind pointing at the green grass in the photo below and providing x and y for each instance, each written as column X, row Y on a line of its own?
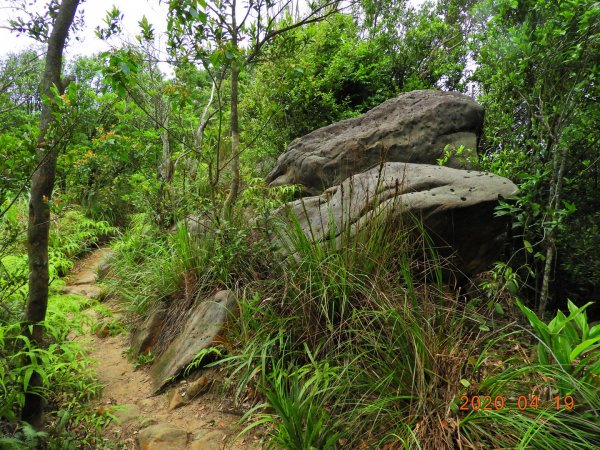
column 353, row 339
column 370, row 307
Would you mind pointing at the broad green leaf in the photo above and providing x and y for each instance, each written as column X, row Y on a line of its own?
column 499, row 309
column 542, row 354
column 540, row 327
column 27, row 377
column 561, row 349
column 584, row 346
column 580, row 317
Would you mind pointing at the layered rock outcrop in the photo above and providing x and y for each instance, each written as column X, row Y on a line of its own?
column 456, row 208
column 384, row 164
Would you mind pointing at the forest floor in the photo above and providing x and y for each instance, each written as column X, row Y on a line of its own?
column 145, row 420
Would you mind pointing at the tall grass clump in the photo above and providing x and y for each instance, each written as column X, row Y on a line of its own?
column 177, row 269
column 367, row 301
column 143, row 273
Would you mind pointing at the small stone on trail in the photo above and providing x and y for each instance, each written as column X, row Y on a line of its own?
column 146, row 403
column 177, row 400
column 126, row 413
column 198, row 387
column 163, row 436
column 85, row 277
column 146, row 422
column 212, row 440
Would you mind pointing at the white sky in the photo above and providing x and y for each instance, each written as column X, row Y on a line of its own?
column 94, row 13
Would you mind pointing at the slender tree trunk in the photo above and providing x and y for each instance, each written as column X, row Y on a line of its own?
column 558, row 169
column 42, row 184
column 235, row 128
column 165, row 169
column 165, row 175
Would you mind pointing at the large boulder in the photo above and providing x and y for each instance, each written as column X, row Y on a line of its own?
column 201, row 330
column 455, row 206
column 414, row 127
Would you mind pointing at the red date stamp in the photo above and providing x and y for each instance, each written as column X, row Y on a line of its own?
column 499, row 402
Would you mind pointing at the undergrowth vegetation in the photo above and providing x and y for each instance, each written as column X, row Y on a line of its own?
column 357, row 342
column 68, row 381
column 72, row 234
column 354, row 343
column 358, row 338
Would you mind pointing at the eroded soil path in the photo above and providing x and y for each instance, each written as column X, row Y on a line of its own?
column 144, row 420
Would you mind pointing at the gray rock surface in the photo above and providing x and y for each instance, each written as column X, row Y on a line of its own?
column 455, row 206
column 414, row 127
column 205, row 322
column 84, row 290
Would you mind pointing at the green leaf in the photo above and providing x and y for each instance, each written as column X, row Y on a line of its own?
column 465, row 383
column 27, row 378
column 528, row 246
column 124, row 67
column 484, row 328
column 498, row 308
column 540, row 327
column 542, row 354
column 584, row 346
column 561, row 349
column 557, row 323
column 580, row 317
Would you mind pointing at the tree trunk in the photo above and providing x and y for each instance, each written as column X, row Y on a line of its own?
column 165, row 169
column 235, row 128
column 165, row 174
column 558, row 169
column 42, row 184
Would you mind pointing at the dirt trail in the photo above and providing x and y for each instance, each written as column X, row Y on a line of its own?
column 145, row 421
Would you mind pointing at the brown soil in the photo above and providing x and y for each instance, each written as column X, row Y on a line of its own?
column 126, row 385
